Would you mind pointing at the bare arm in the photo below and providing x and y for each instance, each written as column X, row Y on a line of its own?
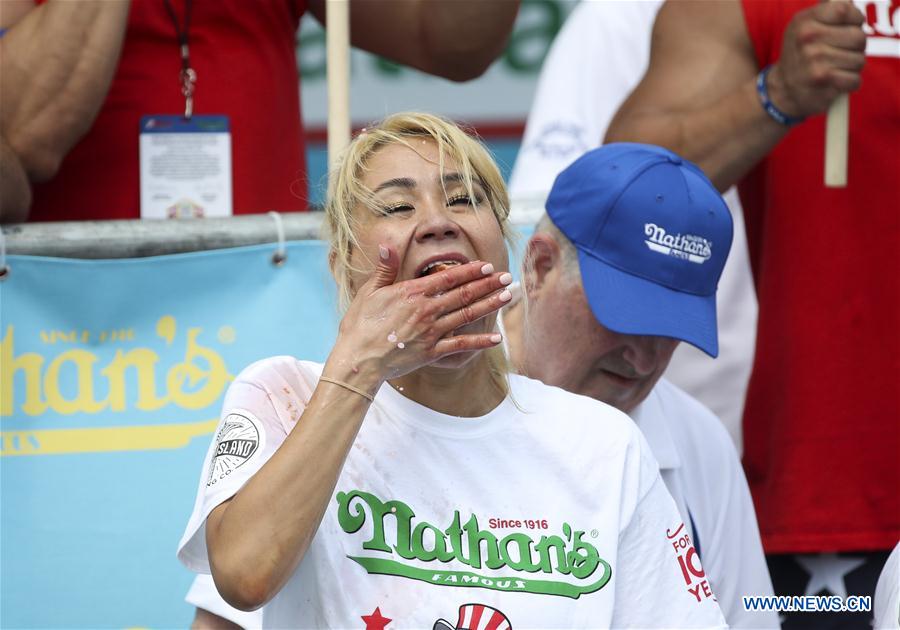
column 15, row 191
column 205, row 620
column 256, row 540
column 454, row 39
column 56, row 65
column 699, row 97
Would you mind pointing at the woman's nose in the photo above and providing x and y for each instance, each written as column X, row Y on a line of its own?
column 436, row 224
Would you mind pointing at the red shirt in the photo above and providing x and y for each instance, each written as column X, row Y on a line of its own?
column 822, row 417
column 244, row 56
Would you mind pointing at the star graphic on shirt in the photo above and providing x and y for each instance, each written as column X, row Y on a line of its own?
column 827, row 571
column 375, row 621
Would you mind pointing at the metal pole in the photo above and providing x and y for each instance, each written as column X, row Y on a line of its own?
column 137, row 238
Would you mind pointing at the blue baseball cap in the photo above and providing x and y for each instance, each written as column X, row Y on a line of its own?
column 652, row 235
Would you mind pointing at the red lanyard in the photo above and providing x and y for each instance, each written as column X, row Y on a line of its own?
column 187, row 76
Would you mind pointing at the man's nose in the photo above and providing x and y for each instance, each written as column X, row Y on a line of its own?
column 642, row 353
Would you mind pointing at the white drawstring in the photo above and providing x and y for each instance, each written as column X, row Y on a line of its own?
column 4, row 270
column 280, row 254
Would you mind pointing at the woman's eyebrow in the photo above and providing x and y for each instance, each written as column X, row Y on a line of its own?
column 453, row 178
column 459, row 178
column 398, row 182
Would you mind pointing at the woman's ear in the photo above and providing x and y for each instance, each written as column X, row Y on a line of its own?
column 542, row 257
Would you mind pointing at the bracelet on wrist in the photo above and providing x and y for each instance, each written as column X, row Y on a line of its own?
column 348, row 386
column 762, row 89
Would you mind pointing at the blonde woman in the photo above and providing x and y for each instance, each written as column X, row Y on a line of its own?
column 410, row 481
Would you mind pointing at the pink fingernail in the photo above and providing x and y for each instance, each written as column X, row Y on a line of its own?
column 383, row 252
column 496, row 338
column 488, row 268
column 505, row 278
column 505, row 295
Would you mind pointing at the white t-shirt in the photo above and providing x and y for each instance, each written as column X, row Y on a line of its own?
column 886, row 604
column 549, row 509
column 703, row 474
column 595, row 62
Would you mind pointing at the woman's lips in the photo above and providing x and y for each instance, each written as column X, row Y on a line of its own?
column 438, row 267
column 447, row 259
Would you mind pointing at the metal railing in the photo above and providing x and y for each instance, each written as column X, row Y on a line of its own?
column 137, row 239
column 140, row 238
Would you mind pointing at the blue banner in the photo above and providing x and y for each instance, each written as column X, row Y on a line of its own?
column 112, row 379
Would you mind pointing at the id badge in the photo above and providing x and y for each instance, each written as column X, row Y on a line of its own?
column 185, row 167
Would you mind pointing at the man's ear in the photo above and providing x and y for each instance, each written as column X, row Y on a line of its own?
column 542, row 257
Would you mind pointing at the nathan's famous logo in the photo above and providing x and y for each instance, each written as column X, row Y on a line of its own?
column 556, row 557
column 685, row 246
column 76, row 381
column 237, row 440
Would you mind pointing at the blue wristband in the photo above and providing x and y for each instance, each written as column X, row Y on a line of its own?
column 774, row 113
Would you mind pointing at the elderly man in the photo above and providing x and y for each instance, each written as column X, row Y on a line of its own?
column 622, row 268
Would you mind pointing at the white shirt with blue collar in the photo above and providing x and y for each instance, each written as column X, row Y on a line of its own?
column 701, row 469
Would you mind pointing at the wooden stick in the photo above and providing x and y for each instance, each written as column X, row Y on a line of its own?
column 837, row 129
column 337, row 44
column 836, row 133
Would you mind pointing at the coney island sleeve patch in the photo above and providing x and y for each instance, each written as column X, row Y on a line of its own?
column 237, row 440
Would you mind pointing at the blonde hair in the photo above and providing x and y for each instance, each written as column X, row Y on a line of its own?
column 346, row 192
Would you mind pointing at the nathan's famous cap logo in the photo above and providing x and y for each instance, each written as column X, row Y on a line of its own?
column 685, row 246
column 237, row 440
column 564, row 565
